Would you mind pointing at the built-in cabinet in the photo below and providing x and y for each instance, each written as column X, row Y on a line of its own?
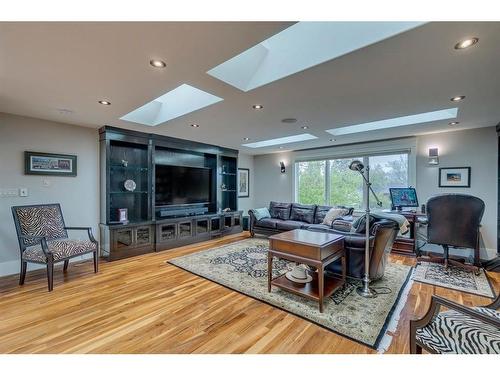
column 119, row 242
column 128, row 160
column 177, row 232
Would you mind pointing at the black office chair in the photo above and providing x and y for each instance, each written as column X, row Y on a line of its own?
column 454, row 220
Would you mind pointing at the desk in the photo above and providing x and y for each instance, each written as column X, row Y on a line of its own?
column 407, row 245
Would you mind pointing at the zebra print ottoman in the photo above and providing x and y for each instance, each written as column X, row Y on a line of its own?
column 452, row 332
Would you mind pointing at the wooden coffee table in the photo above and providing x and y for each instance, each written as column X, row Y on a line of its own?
column 315, row 249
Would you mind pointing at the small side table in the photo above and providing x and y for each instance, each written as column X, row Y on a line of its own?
column 315, row 249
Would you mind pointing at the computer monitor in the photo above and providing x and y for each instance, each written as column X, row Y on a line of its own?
column 403, row 197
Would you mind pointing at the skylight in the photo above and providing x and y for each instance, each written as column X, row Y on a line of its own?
column 419, row 118
column 180, row 101
column 280, row 141
column 301, row 46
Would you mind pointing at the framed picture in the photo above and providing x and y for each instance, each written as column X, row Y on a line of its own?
column 454, row 177
column 49, row 164
column 243, row 182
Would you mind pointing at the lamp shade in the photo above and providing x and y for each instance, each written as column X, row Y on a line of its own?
column 356, row 165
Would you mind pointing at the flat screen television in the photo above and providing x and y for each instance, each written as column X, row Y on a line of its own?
column 182, row 185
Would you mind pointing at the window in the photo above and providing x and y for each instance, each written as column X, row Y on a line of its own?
column 331, row 181
column 387, row 171
column 346, row 187
column 311, row 182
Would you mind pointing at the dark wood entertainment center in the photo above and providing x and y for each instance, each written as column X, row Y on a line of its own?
column 130, row 155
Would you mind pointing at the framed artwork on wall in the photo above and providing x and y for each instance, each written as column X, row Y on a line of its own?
column 41, row 163
column 243, row 182
column 454, row 177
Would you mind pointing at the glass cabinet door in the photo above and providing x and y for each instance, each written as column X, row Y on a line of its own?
column 185, row 229
column 228, row 221
column 202, row 226
column 215, row 224
column 124, row 238
column 143, row 236
column 167, row 232
column 237, row 220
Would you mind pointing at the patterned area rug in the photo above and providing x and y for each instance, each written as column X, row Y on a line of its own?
column 453, row 278
column 242, row 266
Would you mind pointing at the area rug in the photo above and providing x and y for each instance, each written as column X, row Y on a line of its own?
column 242, row 266
column 454, row 278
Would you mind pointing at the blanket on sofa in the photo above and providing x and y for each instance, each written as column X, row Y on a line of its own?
column 400, row 220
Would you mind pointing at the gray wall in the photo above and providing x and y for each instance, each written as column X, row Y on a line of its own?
column 246, row 161
column 476, row 148
column 272, row 185
column 79, row 196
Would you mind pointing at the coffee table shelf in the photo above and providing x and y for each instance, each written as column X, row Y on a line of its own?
column 309, row 290
column 316, row 249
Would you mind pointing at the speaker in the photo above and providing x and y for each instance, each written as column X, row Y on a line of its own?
column 246, row 222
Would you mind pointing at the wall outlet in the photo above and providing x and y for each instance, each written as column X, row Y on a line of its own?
column 46, row 182
column 23, row 192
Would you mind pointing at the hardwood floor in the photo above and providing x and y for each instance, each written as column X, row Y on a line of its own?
column 143, row 305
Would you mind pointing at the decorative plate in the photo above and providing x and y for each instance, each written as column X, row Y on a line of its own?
column 129, row 185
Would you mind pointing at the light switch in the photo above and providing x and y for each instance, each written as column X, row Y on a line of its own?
column 23, row 192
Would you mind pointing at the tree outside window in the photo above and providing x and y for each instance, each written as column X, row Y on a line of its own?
column 332, row 182
column 311, row 182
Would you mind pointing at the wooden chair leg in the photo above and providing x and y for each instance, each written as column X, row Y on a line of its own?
column 22, row 274
column 50, row 274
column 66, row 264
column 96, row 262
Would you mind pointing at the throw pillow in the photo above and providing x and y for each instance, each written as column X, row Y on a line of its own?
column 261, row 213
column 333, row 214
column 280, row 210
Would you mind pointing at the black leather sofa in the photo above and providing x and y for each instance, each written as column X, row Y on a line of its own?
column 289, row 216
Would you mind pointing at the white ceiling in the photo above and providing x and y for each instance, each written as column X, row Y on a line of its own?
column 45, row 67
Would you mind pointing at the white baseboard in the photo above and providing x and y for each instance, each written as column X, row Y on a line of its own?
column 12, row 267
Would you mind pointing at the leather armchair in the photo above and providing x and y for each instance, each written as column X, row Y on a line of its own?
column 382, row 236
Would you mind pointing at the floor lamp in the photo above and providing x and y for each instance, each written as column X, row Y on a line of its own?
column 365, row 290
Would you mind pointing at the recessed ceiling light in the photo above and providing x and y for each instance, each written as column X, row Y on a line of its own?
column 466, row 43
column 305, row 127
column 195, row 125
column 246, row 139
column 332, row 139
column 454, row 123
column 104, row 102
column 281, row 147
column 157, row 63
column 457, row 98
column 257, row 106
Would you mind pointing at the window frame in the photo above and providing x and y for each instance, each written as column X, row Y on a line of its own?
column 364, row 152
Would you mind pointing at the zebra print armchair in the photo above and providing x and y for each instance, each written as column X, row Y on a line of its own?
column 43, row 239
column 458, row 330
